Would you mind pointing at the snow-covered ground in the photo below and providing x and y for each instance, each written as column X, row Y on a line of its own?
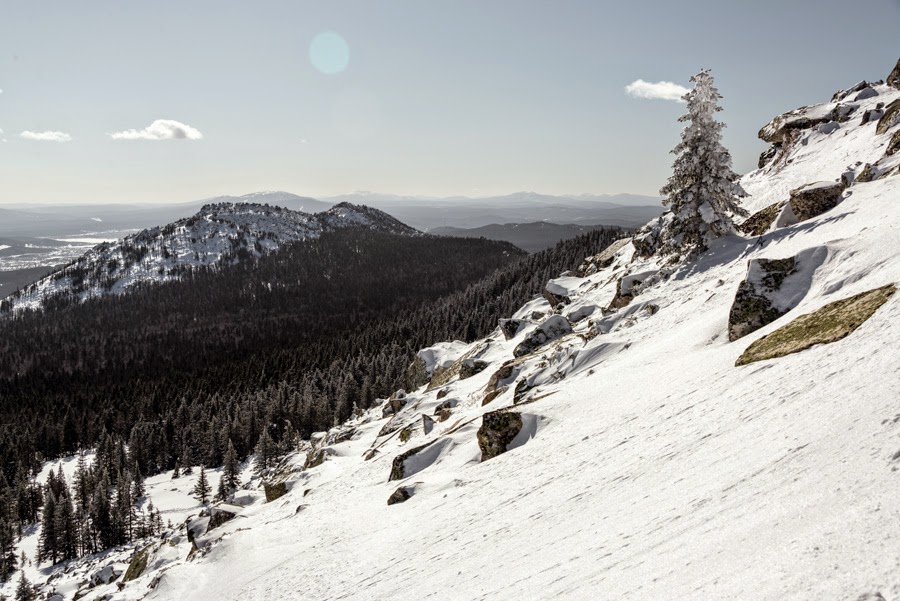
column 649, row 466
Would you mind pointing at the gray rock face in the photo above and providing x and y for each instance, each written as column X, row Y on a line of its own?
column 893, row 79
column 866, row 93
column 219, row 516
column 498, row 429
column 554, row 327
column 401, row 495
column 814, row 199
column 471, row 367
column 753, row 307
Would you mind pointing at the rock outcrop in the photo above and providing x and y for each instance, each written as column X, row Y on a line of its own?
column 555, row 299
column 753, row 307
column 893, row 79
column 138, row 564
column 831, row 323
column 894, row 145
column 602, row 260
column 498, row 429
column 499, row 381
column 416, row 374
column 760, row 222
column 398, row 466
column 511, row 327
column 274, row 490
column 471, row 367
column 814, row 199
column 553, row 327
column 890, row 118
column 401, row 495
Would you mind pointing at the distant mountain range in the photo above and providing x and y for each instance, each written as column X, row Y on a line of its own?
column 626, row 210
column 54, row 220
column 531, row 237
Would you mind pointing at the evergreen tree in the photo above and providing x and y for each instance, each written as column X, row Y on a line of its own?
column 703, row 191
column 25, row 592
column 202, row 489
column 231, row 471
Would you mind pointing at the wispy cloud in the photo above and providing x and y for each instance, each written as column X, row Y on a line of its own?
column 46, row 136
column 161, row 129
column 660, row 90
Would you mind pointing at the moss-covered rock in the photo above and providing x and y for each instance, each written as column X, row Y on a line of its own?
column 831, row 323
column 274, row 490
column 760, row 222
column 405, row 434
column 498, row 429
column 138, row 564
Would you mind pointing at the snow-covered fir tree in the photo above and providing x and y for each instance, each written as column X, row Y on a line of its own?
column 702, row 193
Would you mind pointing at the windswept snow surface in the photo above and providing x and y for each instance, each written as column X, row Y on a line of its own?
column 657, row 470
column 651, row 467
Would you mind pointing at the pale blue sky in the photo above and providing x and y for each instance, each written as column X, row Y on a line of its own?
column 437, row 97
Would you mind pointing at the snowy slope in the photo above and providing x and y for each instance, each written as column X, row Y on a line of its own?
column 649, row 466
column 219, row 233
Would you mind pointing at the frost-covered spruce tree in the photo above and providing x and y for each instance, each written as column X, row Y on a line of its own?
column 703, row 191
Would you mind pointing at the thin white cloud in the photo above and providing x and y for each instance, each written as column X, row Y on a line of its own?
column 46, row 136
column 161, row 129
column 660, row 90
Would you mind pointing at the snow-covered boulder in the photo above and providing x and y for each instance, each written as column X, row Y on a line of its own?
column 814, row 199
column 779, row 128
column 105, row 575
column 553, row 327
column 419, row 458
column 498, row 429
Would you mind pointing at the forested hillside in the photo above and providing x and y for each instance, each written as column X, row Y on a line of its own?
column 276, row 347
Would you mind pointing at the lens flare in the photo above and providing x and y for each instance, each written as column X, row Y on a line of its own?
column 329, row 53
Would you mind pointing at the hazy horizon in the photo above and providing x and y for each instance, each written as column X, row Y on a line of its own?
column 173, row 102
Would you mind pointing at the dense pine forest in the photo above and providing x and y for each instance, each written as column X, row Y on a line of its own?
column 252, row 356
